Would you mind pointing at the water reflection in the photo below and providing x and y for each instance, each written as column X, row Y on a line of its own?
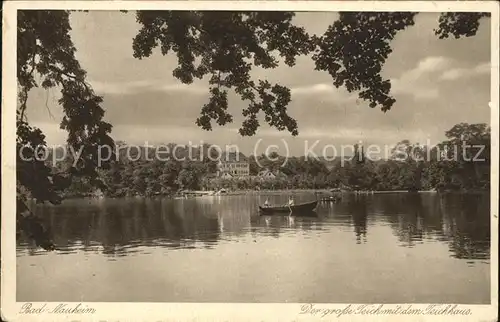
column 119, row 227
column 276, row 226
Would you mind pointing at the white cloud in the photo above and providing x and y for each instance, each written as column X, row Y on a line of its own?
column 389, row 135
column 413, row 88
column 324, row 91
column 422, row 82
column 314, row 89
column 431, row 64
column 453, row 74
column 457, row 73
column 141, row 86
column 483, row 68
column 419, row 81
column 416, row 82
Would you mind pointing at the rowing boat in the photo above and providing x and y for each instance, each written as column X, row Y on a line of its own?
column 295, row 209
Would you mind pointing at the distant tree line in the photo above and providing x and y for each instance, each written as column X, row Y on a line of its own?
column 462, row 162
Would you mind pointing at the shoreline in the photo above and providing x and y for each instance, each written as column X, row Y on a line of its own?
column 323, row 192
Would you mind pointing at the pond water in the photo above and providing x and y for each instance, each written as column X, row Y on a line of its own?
column 386, row 248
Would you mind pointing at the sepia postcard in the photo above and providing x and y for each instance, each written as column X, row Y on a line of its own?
column 250, row 161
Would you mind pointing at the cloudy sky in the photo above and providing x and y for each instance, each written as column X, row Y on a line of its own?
column 437, row 83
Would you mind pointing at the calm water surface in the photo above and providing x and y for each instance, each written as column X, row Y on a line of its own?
column 394, row 248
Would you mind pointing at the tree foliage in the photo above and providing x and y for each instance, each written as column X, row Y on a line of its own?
column 459, row 24
column 46, row 50
column 354, row 49
column 226, row 46
column 46, row 58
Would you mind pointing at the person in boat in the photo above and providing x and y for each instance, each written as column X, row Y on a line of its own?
column 267, row 204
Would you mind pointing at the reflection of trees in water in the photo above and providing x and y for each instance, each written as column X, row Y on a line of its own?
column 407, row 216
column 351, row 212
column 461, row 220
column 412, row 216
column 468, row 224
column 357, row 207
column 116, row 226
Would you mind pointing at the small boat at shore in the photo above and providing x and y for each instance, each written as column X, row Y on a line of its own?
column 330, row 199
column 295, row 210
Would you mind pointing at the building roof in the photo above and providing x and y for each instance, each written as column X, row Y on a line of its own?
column 233, row 157
column 265, row 172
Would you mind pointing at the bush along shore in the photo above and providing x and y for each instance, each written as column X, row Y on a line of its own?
column 410, row 167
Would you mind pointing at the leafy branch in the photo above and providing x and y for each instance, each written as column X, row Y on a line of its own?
column 353, row 51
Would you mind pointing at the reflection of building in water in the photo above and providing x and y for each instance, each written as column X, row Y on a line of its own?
column 233, row 214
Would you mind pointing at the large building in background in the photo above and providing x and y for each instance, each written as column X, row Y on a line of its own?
column 233, row 165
